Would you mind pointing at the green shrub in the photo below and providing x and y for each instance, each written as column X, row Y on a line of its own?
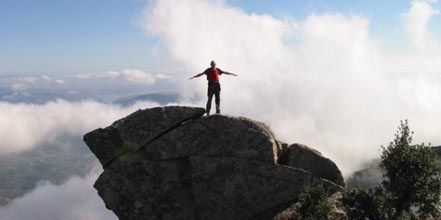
column 411, row 189
column 413, row 176
column 359, row 204
column 314, row 202
column 412, row 185
column 373, row 204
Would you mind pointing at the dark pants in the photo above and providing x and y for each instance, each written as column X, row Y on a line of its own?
column 213, row 89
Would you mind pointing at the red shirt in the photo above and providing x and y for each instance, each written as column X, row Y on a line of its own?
column 213, row 74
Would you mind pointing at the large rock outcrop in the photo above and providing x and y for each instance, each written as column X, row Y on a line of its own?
column 172, row 163
column 301, row 156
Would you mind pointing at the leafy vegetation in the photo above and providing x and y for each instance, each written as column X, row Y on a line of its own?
column 314, row 202
column 413, row 176
column 411, row 188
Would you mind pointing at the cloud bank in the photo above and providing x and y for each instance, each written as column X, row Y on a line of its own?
column 24, row 126
column 322, row 81
column 134, row 75
column 416, row 22
column 75, row 199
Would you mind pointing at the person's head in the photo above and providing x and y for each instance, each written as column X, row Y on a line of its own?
column 213, row 64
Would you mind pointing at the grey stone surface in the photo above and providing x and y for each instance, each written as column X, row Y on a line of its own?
column 217, row 135
column 145, row 125
column 136, row 188
column 159, row 164
column 105, row 143
column 136, row 130
column 301, row 156
column 235, row 188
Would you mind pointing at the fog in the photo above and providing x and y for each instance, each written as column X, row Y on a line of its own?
column 324, row 81
column 25, row 126
column 73, row 200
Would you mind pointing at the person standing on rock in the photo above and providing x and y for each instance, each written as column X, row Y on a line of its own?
column 214, row 88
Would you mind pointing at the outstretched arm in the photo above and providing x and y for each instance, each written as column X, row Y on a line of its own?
column 197, row 75
column 232, row 74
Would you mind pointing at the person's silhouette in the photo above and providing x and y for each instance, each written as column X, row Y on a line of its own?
column 214, row 88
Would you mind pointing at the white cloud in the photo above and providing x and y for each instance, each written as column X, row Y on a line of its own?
column 17, row 87
column 416, row 22
column 84, row 75
column 27, row 79
column 113, row 74
column 138, row 76
column 46, row 78
column 323, row 83
column 60, row 81
column 133, row 75
column 162, row 76
column 73, row 200
column 24, row 126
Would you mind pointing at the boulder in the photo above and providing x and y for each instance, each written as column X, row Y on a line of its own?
column 301, row 156
column 232, row 188
column 162, row 163
column 134, row 187
column 136, row 130
column 217, row 135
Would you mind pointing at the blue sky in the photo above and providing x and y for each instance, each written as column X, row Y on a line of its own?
column 64, row 36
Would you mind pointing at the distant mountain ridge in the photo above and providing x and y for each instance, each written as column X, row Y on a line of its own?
column 42, row 96
column 159, row 97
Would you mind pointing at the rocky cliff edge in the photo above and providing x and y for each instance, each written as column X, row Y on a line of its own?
column 173, row 163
